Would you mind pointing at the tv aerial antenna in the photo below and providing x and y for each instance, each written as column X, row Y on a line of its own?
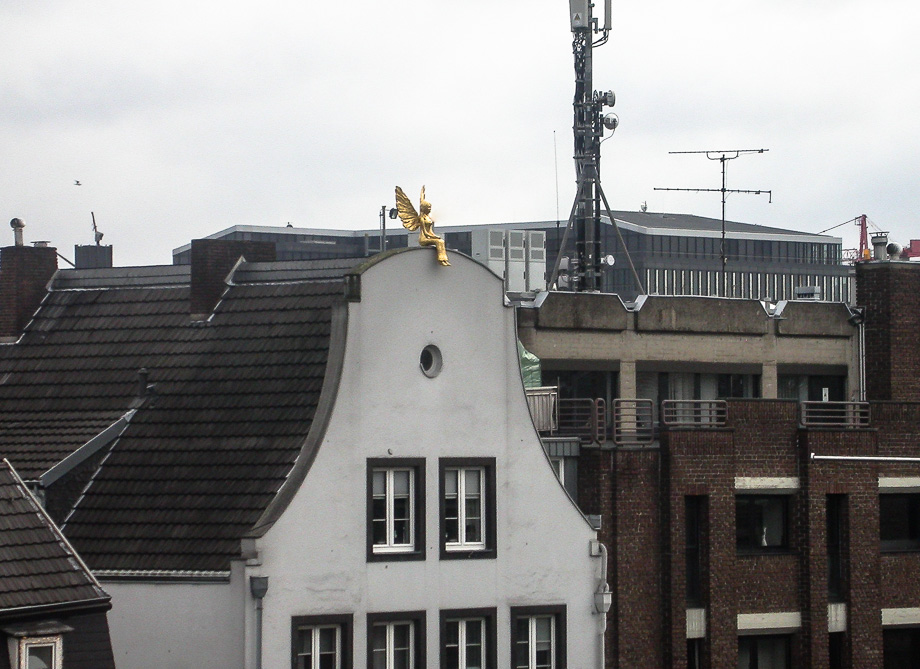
column 723, row 156
column 589, row 126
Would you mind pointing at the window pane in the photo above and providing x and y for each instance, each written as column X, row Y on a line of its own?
column 451, row 658
column 306, row 641
column 522, row 644
column 900, row 521
column 474, row 646
column 380, row 483
column 379, row 647
column 401, row 483
column 401, row 659
column 327, row 637
column 760, row 521
column 472, row 481
column 452, row 632
column 40, row 657
column 450, row 483
column 402, row 633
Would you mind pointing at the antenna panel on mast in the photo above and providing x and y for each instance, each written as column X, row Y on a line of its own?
column 580, row 14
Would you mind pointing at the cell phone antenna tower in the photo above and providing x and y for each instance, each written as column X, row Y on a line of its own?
column 589, row 126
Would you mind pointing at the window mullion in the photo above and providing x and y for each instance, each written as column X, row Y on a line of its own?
column 391, row 508
column 461, row 505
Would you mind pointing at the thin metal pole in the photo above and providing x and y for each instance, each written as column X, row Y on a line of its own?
column 565, row 237
column 722, row 246
column 620, row 237
column 863, row 458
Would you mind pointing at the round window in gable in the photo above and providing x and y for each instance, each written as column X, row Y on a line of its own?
column 430, row 361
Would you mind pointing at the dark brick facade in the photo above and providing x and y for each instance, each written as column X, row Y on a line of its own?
column 763, row 449
column 890, row 292
column 644, row 504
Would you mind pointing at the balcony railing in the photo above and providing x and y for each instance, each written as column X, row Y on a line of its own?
column 584, row 418
column 690, row 413
column 581, row 418
column 633, row 422
column 834, row 414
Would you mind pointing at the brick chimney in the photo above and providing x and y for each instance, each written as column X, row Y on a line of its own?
column 24, row 275
column 890, row 292
column 212, row 260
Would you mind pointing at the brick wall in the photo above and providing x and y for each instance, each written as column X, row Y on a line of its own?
column 890, row 292
column 24, row 275
column 595, row 496
column 640, row 584
column 212, row 260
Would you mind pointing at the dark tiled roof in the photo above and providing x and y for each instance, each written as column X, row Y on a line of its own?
column 37, row 566
column 208, row 449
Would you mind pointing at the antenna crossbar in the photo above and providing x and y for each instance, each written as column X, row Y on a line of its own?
column 723, row 156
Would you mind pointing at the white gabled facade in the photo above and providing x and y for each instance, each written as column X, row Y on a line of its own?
column 527, row 567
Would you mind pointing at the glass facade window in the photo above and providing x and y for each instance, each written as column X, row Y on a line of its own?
column 761, row 523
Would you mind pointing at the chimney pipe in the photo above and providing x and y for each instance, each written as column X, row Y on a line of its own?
column 17, row 224
column 879, row 246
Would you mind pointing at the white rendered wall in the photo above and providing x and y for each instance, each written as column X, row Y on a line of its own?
column 178, row 625
column 315, row 554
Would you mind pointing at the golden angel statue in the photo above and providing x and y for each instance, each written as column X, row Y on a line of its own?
column 413, row 220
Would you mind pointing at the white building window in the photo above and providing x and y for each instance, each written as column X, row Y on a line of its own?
column 40, row 653
column 396, row 640
column 464, row 644
column 538, row 637
column 322, row 642
column 463, row 508
column 395, row 509
column 467, row 507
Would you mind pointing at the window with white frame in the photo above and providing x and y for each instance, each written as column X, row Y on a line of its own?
column 396, row 509
column 40, row 653
column 396, row 640
column 468, row 639
column 467, row 507
column 321, row 642
column 463, row 520
column 538, row 637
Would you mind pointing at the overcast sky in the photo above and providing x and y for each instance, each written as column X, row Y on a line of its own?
column 181, row 118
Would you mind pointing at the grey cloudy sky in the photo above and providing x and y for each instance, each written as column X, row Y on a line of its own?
column 181, row 118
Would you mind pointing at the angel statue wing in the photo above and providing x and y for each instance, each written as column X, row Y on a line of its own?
column 413, row 220
column 407, row 214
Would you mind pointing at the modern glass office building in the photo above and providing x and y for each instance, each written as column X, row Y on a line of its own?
column 673, row 254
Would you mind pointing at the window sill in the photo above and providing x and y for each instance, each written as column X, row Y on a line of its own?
column 894, row 550
column 468, row 554
column 754, row 552
column 395, row 556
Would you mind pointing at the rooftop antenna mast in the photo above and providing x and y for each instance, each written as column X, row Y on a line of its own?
column 723, row 157
column 589, row 126
column 96, row 234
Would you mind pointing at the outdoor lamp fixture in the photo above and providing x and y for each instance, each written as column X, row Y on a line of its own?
column 603, row 600
column 258, row 586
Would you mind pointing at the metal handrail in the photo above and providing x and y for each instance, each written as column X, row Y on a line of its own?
column 701, row 413
column 834, row 414
column 633, row 422
column 584, row 418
